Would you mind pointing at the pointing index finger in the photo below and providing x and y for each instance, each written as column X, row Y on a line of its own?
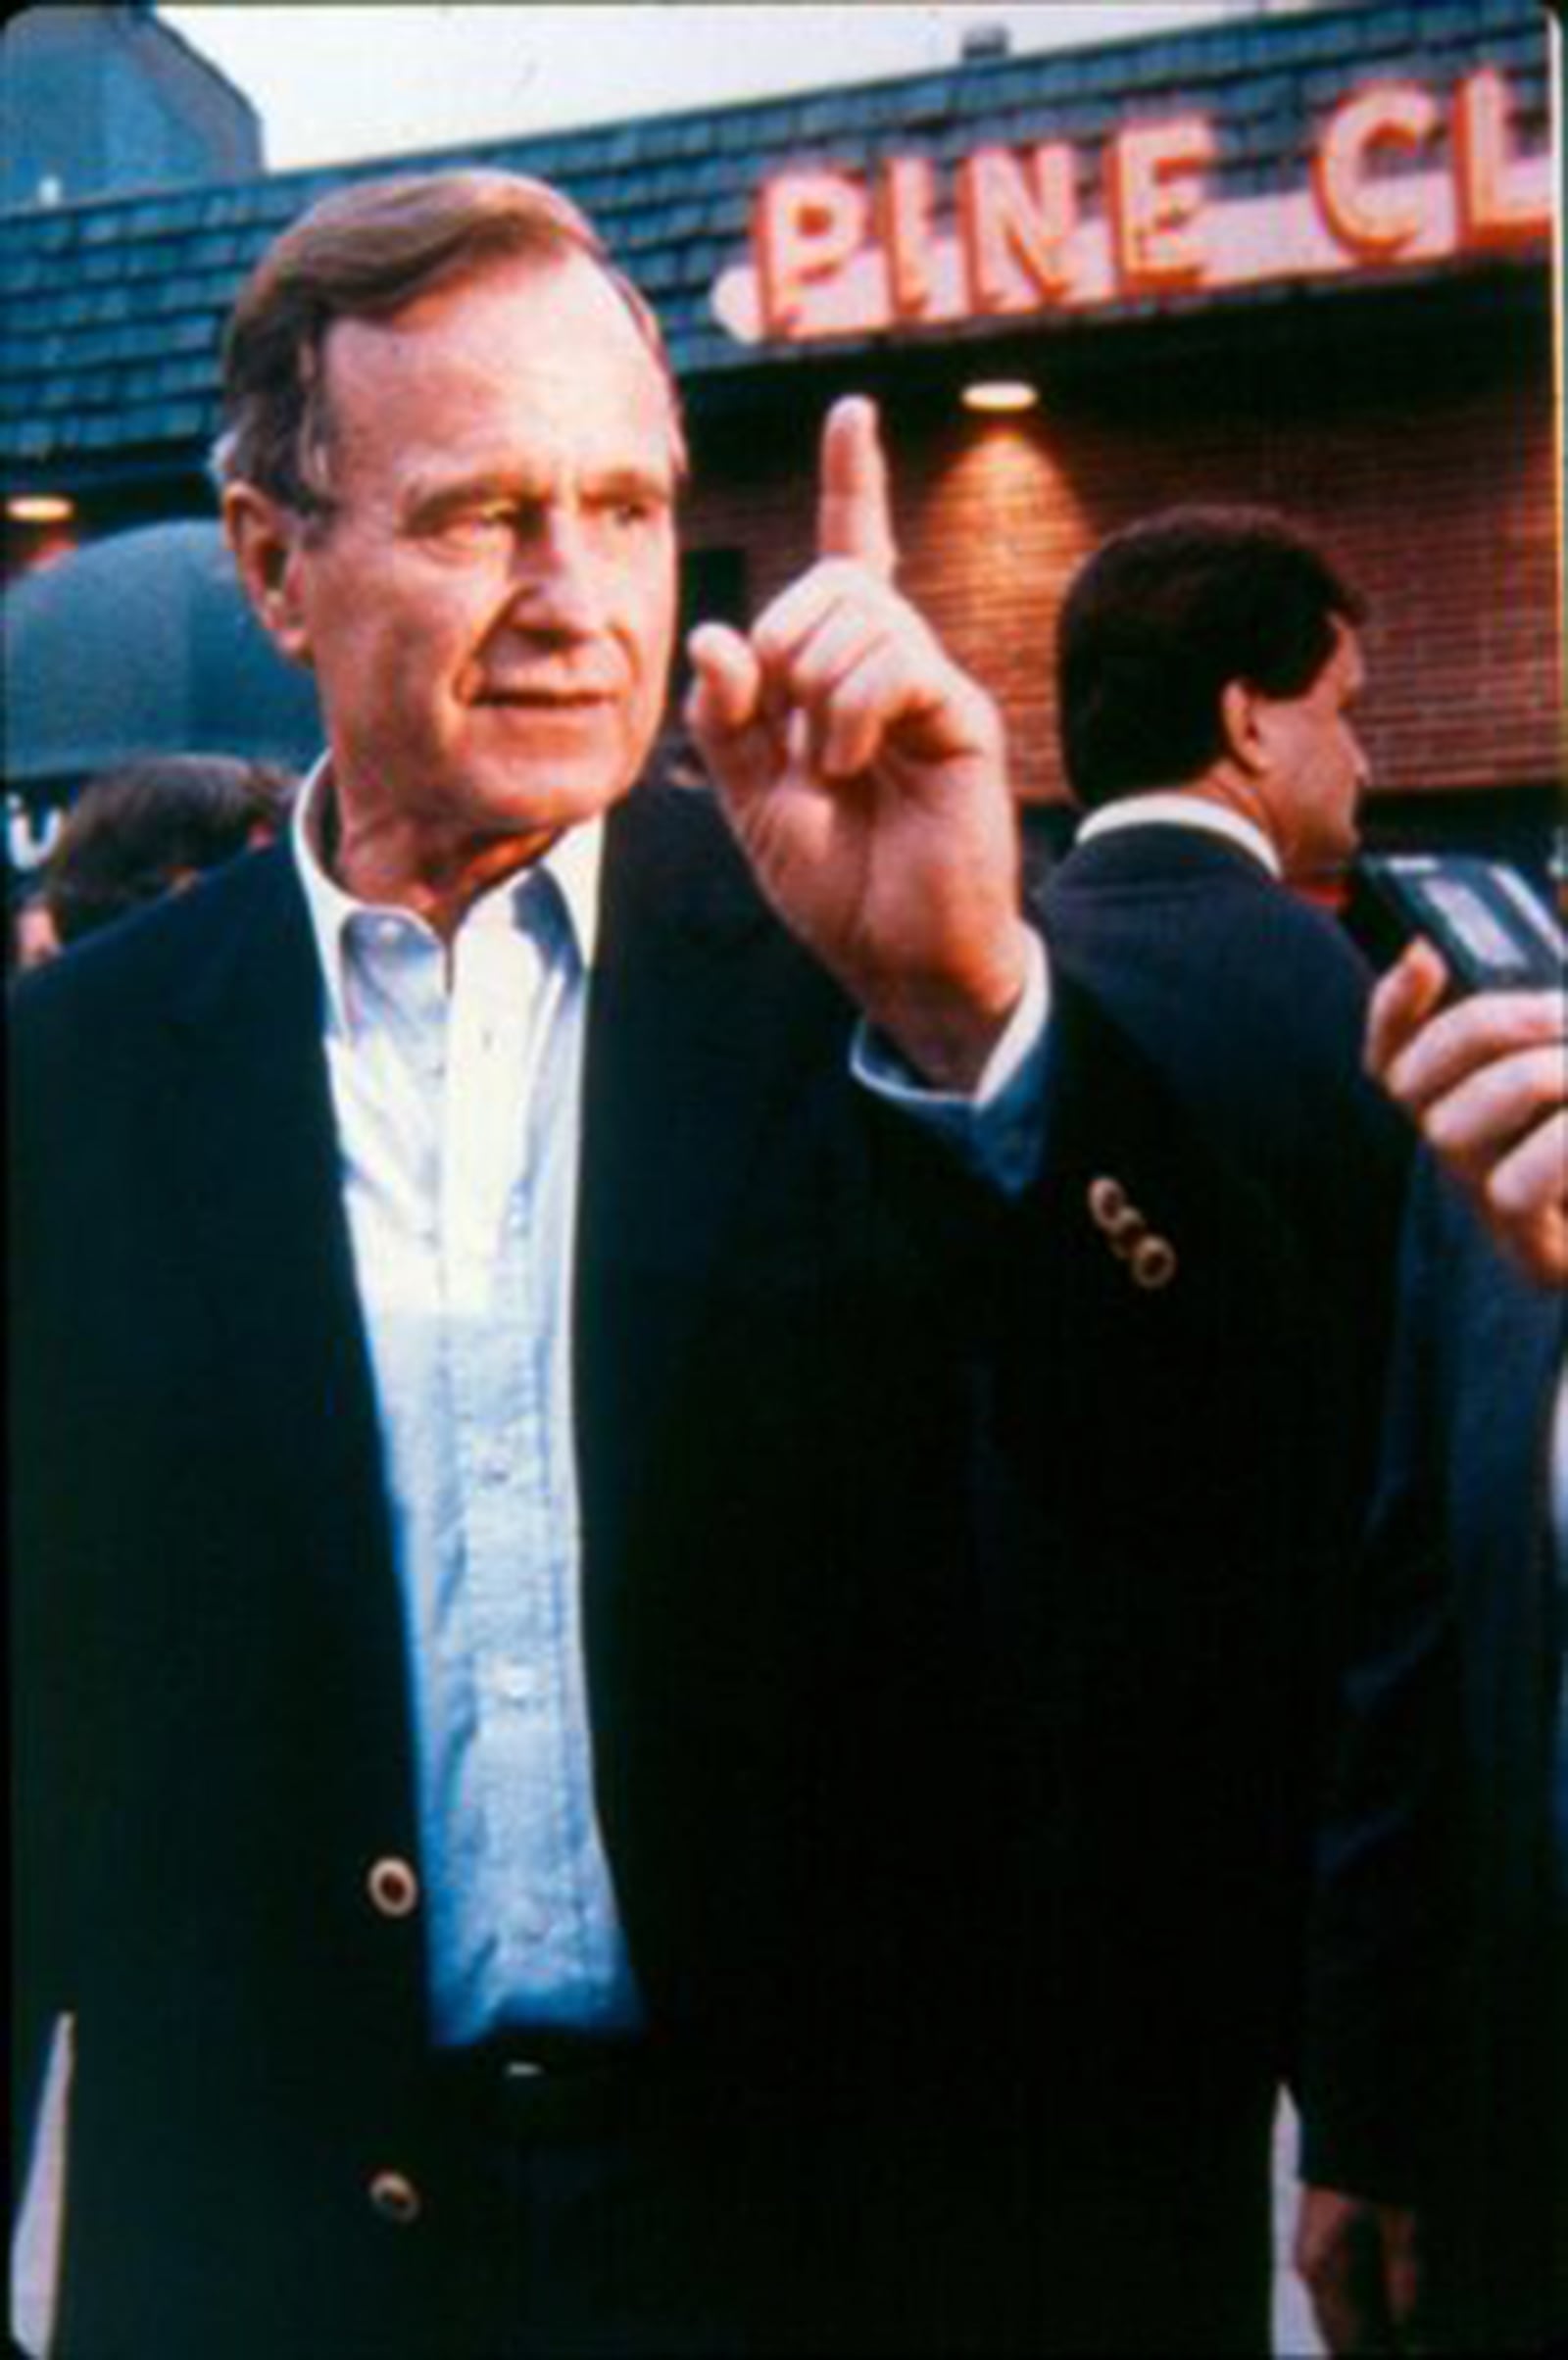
column 854, row 512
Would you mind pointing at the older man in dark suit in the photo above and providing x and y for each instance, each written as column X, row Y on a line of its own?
column 453, row 1324
column 610, row 1754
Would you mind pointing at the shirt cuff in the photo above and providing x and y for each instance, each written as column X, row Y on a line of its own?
column 998, row 1131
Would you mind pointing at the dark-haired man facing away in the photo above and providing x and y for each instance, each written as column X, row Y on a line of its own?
column 1209, row 666
column 153, row 827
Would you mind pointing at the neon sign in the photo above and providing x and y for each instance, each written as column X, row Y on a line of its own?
column 837, row 252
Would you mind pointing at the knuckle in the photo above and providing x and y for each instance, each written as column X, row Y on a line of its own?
column 837, row 578
column 1443, row 1128
column 1506, row 1194
column 771, row 637
column 1546, row 1079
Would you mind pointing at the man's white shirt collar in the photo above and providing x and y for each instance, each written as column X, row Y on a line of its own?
column 573, row 861
column 1172, row 807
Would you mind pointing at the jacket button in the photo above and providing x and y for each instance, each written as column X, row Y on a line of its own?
column 1107, row 1204
column 393, row 1888
column 396, row 2199
column 1154, row 1263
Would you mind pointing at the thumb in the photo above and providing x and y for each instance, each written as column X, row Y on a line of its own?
column 854, row 510
column 1406, row 995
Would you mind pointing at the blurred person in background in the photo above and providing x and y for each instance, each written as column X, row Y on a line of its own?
column 153, row 827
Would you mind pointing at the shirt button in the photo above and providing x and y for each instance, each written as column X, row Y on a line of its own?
column 393, row 1888
column 396, row 2199
column 495, row 1463
column 515, row 1682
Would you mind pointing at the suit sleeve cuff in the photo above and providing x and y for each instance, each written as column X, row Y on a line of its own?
column 998, row 1131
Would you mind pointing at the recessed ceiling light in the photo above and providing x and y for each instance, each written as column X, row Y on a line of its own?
column 998, row 395
column 40, row 508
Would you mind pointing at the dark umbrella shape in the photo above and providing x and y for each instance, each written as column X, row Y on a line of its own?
column 143, row 643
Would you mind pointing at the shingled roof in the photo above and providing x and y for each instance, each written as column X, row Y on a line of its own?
column 114, row 309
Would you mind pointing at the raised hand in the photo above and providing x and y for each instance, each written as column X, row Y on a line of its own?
column 864, row 776
column 1486, row 1080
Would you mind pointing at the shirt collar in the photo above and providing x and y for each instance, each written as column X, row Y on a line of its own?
column 573, row 861
column 1173, row 807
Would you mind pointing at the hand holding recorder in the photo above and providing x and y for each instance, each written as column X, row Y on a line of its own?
column 1485, row 1078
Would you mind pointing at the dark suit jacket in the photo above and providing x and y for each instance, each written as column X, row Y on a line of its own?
column 1451, row 2090
column 938, row 1722
column 1252, row 1003
column 1252, row 1006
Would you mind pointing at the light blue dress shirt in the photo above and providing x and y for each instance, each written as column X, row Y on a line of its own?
column 456, row 1078
column 455, row 1075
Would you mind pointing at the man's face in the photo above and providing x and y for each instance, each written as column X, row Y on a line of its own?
column 1314, row 769
column 489, row 609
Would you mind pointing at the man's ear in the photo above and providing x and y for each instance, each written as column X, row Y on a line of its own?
column 1242, row 721
column 264, row 538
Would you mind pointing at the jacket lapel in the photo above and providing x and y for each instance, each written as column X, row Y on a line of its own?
column 702, row 1013
column 682, row 1067
column 251, row 1146
column 688, row 1051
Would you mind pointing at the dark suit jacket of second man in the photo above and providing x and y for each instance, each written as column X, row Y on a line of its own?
column 1251, row 1004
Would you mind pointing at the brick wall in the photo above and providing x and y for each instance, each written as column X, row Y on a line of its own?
column 1440, row 502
